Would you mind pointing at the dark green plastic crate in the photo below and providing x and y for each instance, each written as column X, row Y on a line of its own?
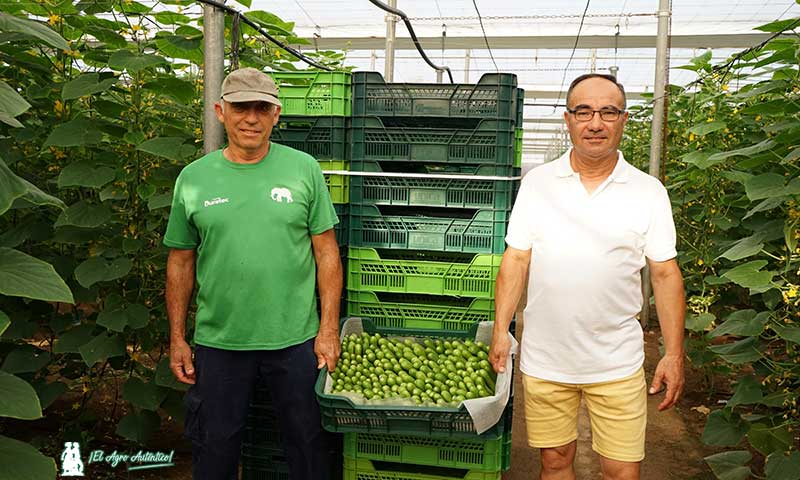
column 264, row 468
column 341, row 415
column 518, row 134
column 520, row 106
column 433, row 192
column 484, row 232
column 342, row 228
column 470, row 454
column 487, row 170
column 314, row 92
column 435, row 273
column 424, row 312
column 324, row 138
column 489, row 142
column 493, row 97
column 361, row 469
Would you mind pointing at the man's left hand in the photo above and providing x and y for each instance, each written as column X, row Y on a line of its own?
column 327, row 348
column 669, row 371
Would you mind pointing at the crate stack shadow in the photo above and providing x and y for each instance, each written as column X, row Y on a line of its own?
column 434, row 174
column 314, row 119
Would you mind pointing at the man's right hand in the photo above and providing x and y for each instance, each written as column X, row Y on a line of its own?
column 180, row 361
column 498, row 352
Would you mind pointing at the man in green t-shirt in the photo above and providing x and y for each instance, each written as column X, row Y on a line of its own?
column 252, row 226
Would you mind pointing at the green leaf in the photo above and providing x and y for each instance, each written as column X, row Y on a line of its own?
column 111, row 38
column 165, row 377
column 748, row 391
column 10, row 23
column 85, row 215
column 11, row 187
column 132, row 62
column 147, row 396
column 101, row 348
column 699, row 323
column 73, row 339
column 738, row 352
column 783, row 467
column 744, row 248
column 11, row 102
column 76, row 132
column 171, row 18
column 113, row 192
column 19, row 399
column 700, row 159
column 21, row 461
column 145, row 190
column 24, row 276
column 705, row 128
column 730, row 465
column 25, row 359
column 792, row 156
column 159, row 201
column 770, row 185
column 167, row 147
column 742, row 323
column 246, row 3
column 790, row 334
column 748, row 275
column 724, row 429
column 85, row 174
column 138, row 427
column 745, row 152
column 4, row 322
column 187, row 47
column 86, row 84
column 765, row 206
column 98, row 269
column 9, row 120
column 768, row 439
column 777, row 26
column 48, row 392
column 180, row 90
column 117, row 318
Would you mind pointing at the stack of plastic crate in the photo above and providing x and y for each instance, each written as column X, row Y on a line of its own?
column 435, row 173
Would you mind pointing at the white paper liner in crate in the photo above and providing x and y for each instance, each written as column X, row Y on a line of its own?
column 485, row 411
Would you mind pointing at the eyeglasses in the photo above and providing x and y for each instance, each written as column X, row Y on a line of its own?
column 608, row 114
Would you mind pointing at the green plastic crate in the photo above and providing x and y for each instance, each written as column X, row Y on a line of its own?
column 520, row 106
column 488, row 142
column 342, row 229
column 477, row 454
column 436, row 273
column 492, row 97
column 362, row 469
column 484, row 232
column 324, row 138
column 518, row 133
column 489, row 170
column 433, row 192
column 425, row 312
column 341, row 415
column 338, row 185
column 314, row 93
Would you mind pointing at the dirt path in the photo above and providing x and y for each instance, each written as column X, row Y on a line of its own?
column 673, row 452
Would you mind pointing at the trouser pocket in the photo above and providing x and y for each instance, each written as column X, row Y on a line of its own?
column 192, row 424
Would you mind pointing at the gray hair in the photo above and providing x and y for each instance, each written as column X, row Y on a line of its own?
column 587, row 76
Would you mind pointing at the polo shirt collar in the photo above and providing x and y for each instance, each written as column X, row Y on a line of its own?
column 620, row 174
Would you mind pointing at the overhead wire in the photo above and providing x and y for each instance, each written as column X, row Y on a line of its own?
column 574, row 47
column 316, row 25
column 413, row 35
column 485, row 39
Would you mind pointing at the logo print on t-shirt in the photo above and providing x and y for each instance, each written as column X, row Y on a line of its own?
column 215, row 201
column 281, row 194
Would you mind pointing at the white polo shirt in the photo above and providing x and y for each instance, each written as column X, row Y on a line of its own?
column 584, row 289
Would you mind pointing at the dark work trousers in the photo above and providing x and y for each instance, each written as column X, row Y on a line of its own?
column 218, row 402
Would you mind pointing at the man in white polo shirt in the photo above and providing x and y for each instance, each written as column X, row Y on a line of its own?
column 585, row 225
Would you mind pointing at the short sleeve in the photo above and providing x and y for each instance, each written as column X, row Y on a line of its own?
column 520, row 225
column 660, row 238
column 181, row 233
column 321, row 214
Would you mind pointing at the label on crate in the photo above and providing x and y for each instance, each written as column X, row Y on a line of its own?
column 419, row 196
column 426, row 241
column 432, row 107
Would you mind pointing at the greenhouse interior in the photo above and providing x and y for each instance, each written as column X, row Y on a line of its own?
column 516, row 240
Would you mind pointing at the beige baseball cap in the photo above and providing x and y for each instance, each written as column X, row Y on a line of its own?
column 249, row 85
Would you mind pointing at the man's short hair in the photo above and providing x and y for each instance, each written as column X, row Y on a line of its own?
column 610, row 78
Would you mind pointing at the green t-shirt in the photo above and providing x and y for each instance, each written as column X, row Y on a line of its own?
column 251, row 225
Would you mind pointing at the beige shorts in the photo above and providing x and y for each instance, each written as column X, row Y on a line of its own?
column 618, row 412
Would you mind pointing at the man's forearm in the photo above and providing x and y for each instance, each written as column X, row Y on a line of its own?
column 509, row 287
column 671, row 308
column 329, row 281
column 180, row 284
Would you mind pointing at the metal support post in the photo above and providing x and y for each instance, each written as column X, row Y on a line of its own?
column 391, row 24
column 213, row 71
column 372, row 59
column 656, row 134
column 467, row 61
